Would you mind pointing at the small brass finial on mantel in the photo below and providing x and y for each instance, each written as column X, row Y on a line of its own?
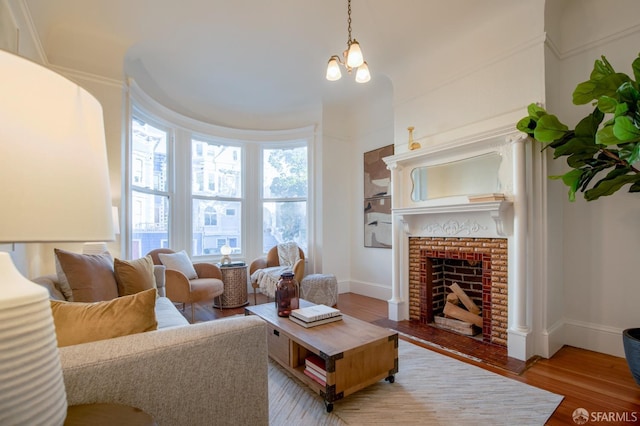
column 412, row 144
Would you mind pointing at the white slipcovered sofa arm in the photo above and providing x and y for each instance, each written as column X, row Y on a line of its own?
column 203, row 374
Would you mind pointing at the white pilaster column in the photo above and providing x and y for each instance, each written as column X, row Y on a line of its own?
column 519, row 322
column 395, row 304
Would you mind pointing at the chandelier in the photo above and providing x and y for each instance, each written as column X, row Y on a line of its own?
column 351, row 59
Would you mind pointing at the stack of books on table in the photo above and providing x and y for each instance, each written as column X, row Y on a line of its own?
column 312, row 316
column 314, row 368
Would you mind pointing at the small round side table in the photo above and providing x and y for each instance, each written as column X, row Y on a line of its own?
column 235, row 280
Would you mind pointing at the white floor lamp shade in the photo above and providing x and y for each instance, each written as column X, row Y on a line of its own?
column 54, row 187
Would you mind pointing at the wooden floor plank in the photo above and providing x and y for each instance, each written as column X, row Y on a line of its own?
column 590, row 380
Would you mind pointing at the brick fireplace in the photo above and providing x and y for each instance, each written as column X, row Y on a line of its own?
column 466, row 200
column 479, row 265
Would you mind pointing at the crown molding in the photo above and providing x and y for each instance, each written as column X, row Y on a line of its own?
column 86, row 76
column 585, row 47
column 25, row 12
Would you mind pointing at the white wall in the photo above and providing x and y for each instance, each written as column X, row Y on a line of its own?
column 601, row 238
column 335, row 170
column 492, row 72
column 372, row 128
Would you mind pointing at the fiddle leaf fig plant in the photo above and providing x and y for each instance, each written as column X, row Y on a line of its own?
column 604, row 148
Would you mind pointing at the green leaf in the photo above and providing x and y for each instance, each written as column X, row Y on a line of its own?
column 580, row 159
column 605, row 136
column 526, row 125
column 584, row 92
column 536, row 111
column 571, row 179
column 627, row 93
column 625, row 130
column 587, row 176
column 621, row 109
column 576, row 146
column 589, row 90
column 630, row 153
column 607, row 104
column 635, row 187
column 609, row 186
column 549, row 129
column 588, row 126
column 601, row 69
column 635, row 65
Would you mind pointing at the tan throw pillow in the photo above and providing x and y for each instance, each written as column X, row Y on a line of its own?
column 134, row 276
column 78, row 322
column 179, row 262
column 90, row 276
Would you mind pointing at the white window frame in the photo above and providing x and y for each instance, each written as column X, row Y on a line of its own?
column 180, row 197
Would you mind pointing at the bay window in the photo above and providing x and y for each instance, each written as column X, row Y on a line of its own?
column 192, row 186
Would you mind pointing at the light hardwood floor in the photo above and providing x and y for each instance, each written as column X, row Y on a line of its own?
column 596, row 382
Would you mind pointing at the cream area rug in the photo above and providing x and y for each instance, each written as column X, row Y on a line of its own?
column 429, row 389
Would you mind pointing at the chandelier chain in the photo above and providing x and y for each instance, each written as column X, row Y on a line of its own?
column 349, row 21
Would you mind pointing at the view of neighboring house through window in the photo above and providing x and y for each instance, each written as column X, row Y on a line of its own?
column 216, row 189
column 149, row 188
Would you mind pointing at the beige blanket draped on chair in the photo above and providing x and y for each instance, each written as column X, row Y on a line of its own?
column 268, row 278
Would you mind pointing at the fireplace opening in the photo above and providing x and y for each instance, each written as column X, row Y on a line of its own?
column 450, row 281
column 478, row 267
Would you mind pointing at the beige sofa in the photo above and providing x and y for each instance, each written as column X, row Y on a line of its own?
column 202, row 374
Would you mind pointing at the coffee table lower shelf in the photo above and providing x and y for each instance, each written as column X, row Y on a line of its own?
column 328, row 392
column 356, row 354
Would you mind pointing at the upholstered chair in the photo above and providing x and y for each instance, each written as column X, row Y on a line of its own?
column 183, row 284
column 272, row 260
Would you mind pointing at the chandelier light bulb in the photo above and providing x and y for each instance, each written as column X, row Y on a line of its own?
column 333, row 69
column 363, row 75
column 354, row 55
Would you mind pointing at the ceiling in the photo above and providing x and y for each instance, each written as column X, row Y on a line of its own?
column 219, row 58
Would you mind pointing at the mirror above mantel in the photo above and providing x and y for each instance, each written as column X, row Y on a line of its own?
column 468, row 176
column 457, row 172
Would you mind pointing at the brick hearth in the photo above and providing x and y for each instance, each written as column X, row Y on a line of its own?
column 492, row 252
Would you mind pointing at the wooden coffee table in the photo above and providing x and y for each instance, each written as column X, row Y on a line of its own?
column 356, row 354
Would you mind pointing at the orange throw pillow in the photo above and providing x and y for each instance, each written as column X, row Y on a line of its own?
column 78, row 322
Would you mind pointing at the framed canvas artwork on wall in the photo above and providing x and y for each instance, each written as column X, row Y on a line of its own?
column 377, row 198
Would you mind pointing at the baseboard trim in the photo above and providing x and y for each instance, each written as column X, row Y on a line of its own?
column 594, row 337
column 376, row 291
column 552, row 339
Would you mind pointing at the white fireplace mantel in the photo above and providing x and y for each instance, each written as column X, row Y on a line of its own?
column 457, row 216
column 499, row 211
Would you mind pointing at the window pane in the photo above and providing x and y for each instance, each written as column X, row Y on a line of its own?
column 284, row 221
column 216, row 170
column 214, row 224
column 285, row 173
column 149, row 222
column 148, row 156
